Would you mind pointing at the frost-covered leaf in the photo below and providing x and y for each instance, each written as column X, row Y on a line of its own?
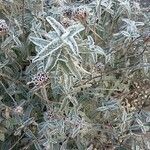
column 2, row 137
column 73, row 100
column 64, row 67
column 125, row 6
column 63, row 58
column 73, row 30
column 72, row 67
column 56, row 25
column 125, row 33
column 39, row 41
column 3, row 64
column 67, row 82
column 51, row 35
column 38, row 49
column 90, row 41
column 72, row 44
column 7, row 41
column 124, row 116
column 30, row 68
column 76, row 131
column 17, row 41
column 52, row 60
column 139, row 23
column 99, row 50
column 83, row 70
column 48, row 49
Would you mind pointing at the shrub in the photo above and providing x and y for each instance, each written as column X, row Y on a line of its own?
column 74, row 75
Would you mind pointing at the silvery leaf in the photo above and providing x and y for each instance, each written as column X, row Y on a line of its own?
column 48, row 49
column 73, row 30
column 72, row 44
column 39, row 41
column 52, row 60
column 56, row 25
column 99, row 50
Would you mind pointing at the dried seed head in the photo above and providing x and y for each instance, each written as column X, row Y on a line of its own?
column 80, row 14
column 66, row 22
column 18, row 110
column 67, row 12
column 3, row 27
column 99, row 66
column 40, row 78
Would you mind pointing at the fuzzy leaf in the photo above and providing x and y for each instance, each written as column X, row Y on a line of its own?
column 7, row 41
column 72, row 44
column 99, row 50
column 72, row 67
column 56, row 25
column 52, row 60
column 39, row 41
column 2, row 137
column 3, row 64
column 48, row 49
column 73, row 100
column 51, row 35
column 73, row 30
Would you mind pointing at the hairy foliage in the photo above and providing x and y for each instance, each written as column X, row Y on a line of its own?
column 74, row 75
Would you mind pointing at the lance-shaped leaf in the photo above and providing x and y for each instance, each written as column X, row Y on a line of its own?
column 39, row 41
column 73, row 100
column 99, row 50
column 83, row 70
column 73, row 30
column 64, row 67
column 48, row 49
column 90, row 41
column 7, row 41
column 38, row 49
column 52, row 60
column 56, row 25
column 72, row 44
column 51, row 35
column 4, row 63
column 17, row 41
column 72, row 67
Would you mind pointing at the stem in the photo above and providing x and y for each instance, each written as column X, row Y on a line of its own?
column 44, row 93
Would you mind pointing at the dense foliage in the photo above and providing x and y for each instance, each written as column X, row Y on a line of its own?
column 74, row 75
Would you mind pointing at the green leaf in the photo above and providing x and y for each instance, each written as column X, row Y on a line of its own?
column 7, row 41
column 2, row 137
column 3, row 64
column 64, row 67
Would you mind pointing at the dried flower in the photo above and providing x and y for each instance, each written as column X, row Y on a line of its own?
column 67, row 12
column 3, row 27
column 80, row 14
column 99, row 66
column 39, row 79
column 18, row 110
column 66, row 22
